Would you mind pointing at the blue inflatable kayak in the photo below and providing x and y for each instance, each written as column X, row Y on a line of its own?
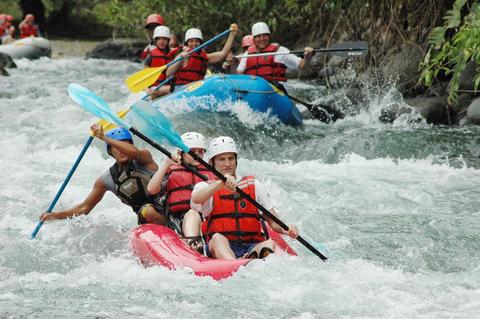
column 259, row 94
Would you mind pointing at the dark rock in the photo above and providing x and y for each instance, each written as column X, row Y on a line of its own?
column 473, row 112
column 6, row 61
column 438, row 89
column 403, row 66
column 118, row 49
column 393, row 111
column 467, row 76
column 434, row 109
column 459, row 109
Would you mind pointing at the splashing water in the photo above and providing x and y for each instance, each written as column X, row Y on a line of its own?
column 396, row 204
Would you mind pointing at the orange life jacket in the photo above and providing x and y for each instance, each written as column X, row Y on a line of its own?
column 233, row 216
column 159, row 58
column 180, row 185
column 265, row 66
column 195, row 69
column 28, row 30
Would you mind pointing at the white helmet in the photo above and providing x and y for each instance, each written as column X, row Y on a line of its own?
column 220, row 145
column 193, row 33
column 194, row 140
column 161, row 32
column 260, row 28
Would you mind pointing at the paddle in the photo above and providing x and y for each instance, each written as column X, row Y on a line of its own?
column 106, row 126
column 349, row 49
column 144, row 78
column 96, row 105
column 321, row 112
column 158, row 126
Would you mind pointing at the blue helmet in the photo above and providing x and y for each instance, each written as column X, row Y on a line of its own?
column 119, row 134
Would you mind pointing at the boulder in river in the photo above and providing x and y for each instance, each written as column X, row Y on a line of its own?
column 434, row 109
column 118, row 49
column 473, row 112
column 6, row 62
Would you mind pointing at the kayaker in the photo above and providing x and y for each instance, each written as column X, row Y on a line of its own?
column 233, row 227
column 7, row 30
column 194, row 66
column 158, row 56
column 273, row 67
column 127, row 179
column 153, row 20
column 28, row 28
column 178, row 183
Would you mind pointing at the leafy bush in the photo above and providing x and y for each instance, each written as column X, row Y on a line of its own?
column 451, row 55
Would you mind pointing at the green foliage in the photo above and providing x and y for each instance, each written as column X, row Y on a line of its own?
column 451, row 56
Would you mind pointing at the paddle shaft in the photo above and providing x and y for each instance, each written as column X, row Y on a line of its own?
column 166, row 152
column 353, row 52
column 64, row 184
column 256, row 204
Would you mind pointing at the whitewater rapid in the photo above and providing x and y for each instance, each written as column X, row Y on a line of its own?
column 395, row 207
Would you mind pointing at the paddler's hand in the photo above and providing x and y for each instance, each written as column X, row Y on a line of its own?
column 97, row 131
column 230, row 182
column 176, row 158
column 185, row 55
column 234, row 28
column 307, row 55
column 47, row 216
column 292, row 231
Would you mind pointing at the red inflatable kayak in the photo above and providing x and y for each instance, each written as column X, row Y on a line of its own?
column 159, row 245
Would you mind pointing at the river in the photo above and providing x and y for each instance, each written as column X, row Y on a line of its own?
column 395, row 207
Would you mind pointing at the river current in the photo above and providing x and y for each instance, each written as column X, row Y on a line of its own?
column 395, row 207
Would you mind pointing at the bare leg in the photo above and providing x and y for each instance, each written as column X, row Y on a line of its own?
column 191, row 224
column 220, row 248
column 267, row 243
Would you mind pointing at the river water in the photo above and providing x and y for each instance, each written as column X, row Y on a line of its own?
column 395, row 207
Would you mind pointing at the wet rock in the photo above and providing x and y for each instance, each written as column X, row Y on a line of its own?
column 403, row 65
column 473, row 112
column 118, row 49
column 434, row 109
column 393, row 111
column 6, row 61
column 467, row 76
column 459, row 109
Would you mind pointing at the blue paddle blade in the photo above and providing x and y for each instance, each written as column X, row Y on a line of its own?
column 94, row 104
column 151, row 122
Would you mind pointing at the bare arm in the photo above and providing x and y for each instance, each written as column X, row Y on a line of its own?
column 292, row 229
column 176, row 66
column 307, row 56
column 142, row 156
column 82, row 208
column 218, row 56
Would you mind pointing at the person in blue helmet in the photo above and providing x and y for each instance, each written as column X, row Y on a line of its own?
column 127, row 179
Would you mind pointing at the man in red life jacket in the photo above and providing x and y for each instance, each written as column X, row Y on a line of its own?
column 158, row 56
column 28, row 28
column 194, row 66
column 154, row 20
column 233, row 227
column 179, row 186
column 127, row 179
column 272, row 68
column 7, row 30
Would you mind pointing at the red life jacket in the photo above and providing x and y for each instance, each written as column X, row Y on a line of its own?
column 146, row 51
column 28, row 30
column 233, row 216
column 159, row 58
column 180, row 185
column 265, row 66
column 2, row 31
column 195, row 70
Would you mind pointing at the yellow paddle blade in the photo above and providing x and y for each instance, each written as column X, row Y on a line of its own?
column 107, row 126
column 144, row 78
